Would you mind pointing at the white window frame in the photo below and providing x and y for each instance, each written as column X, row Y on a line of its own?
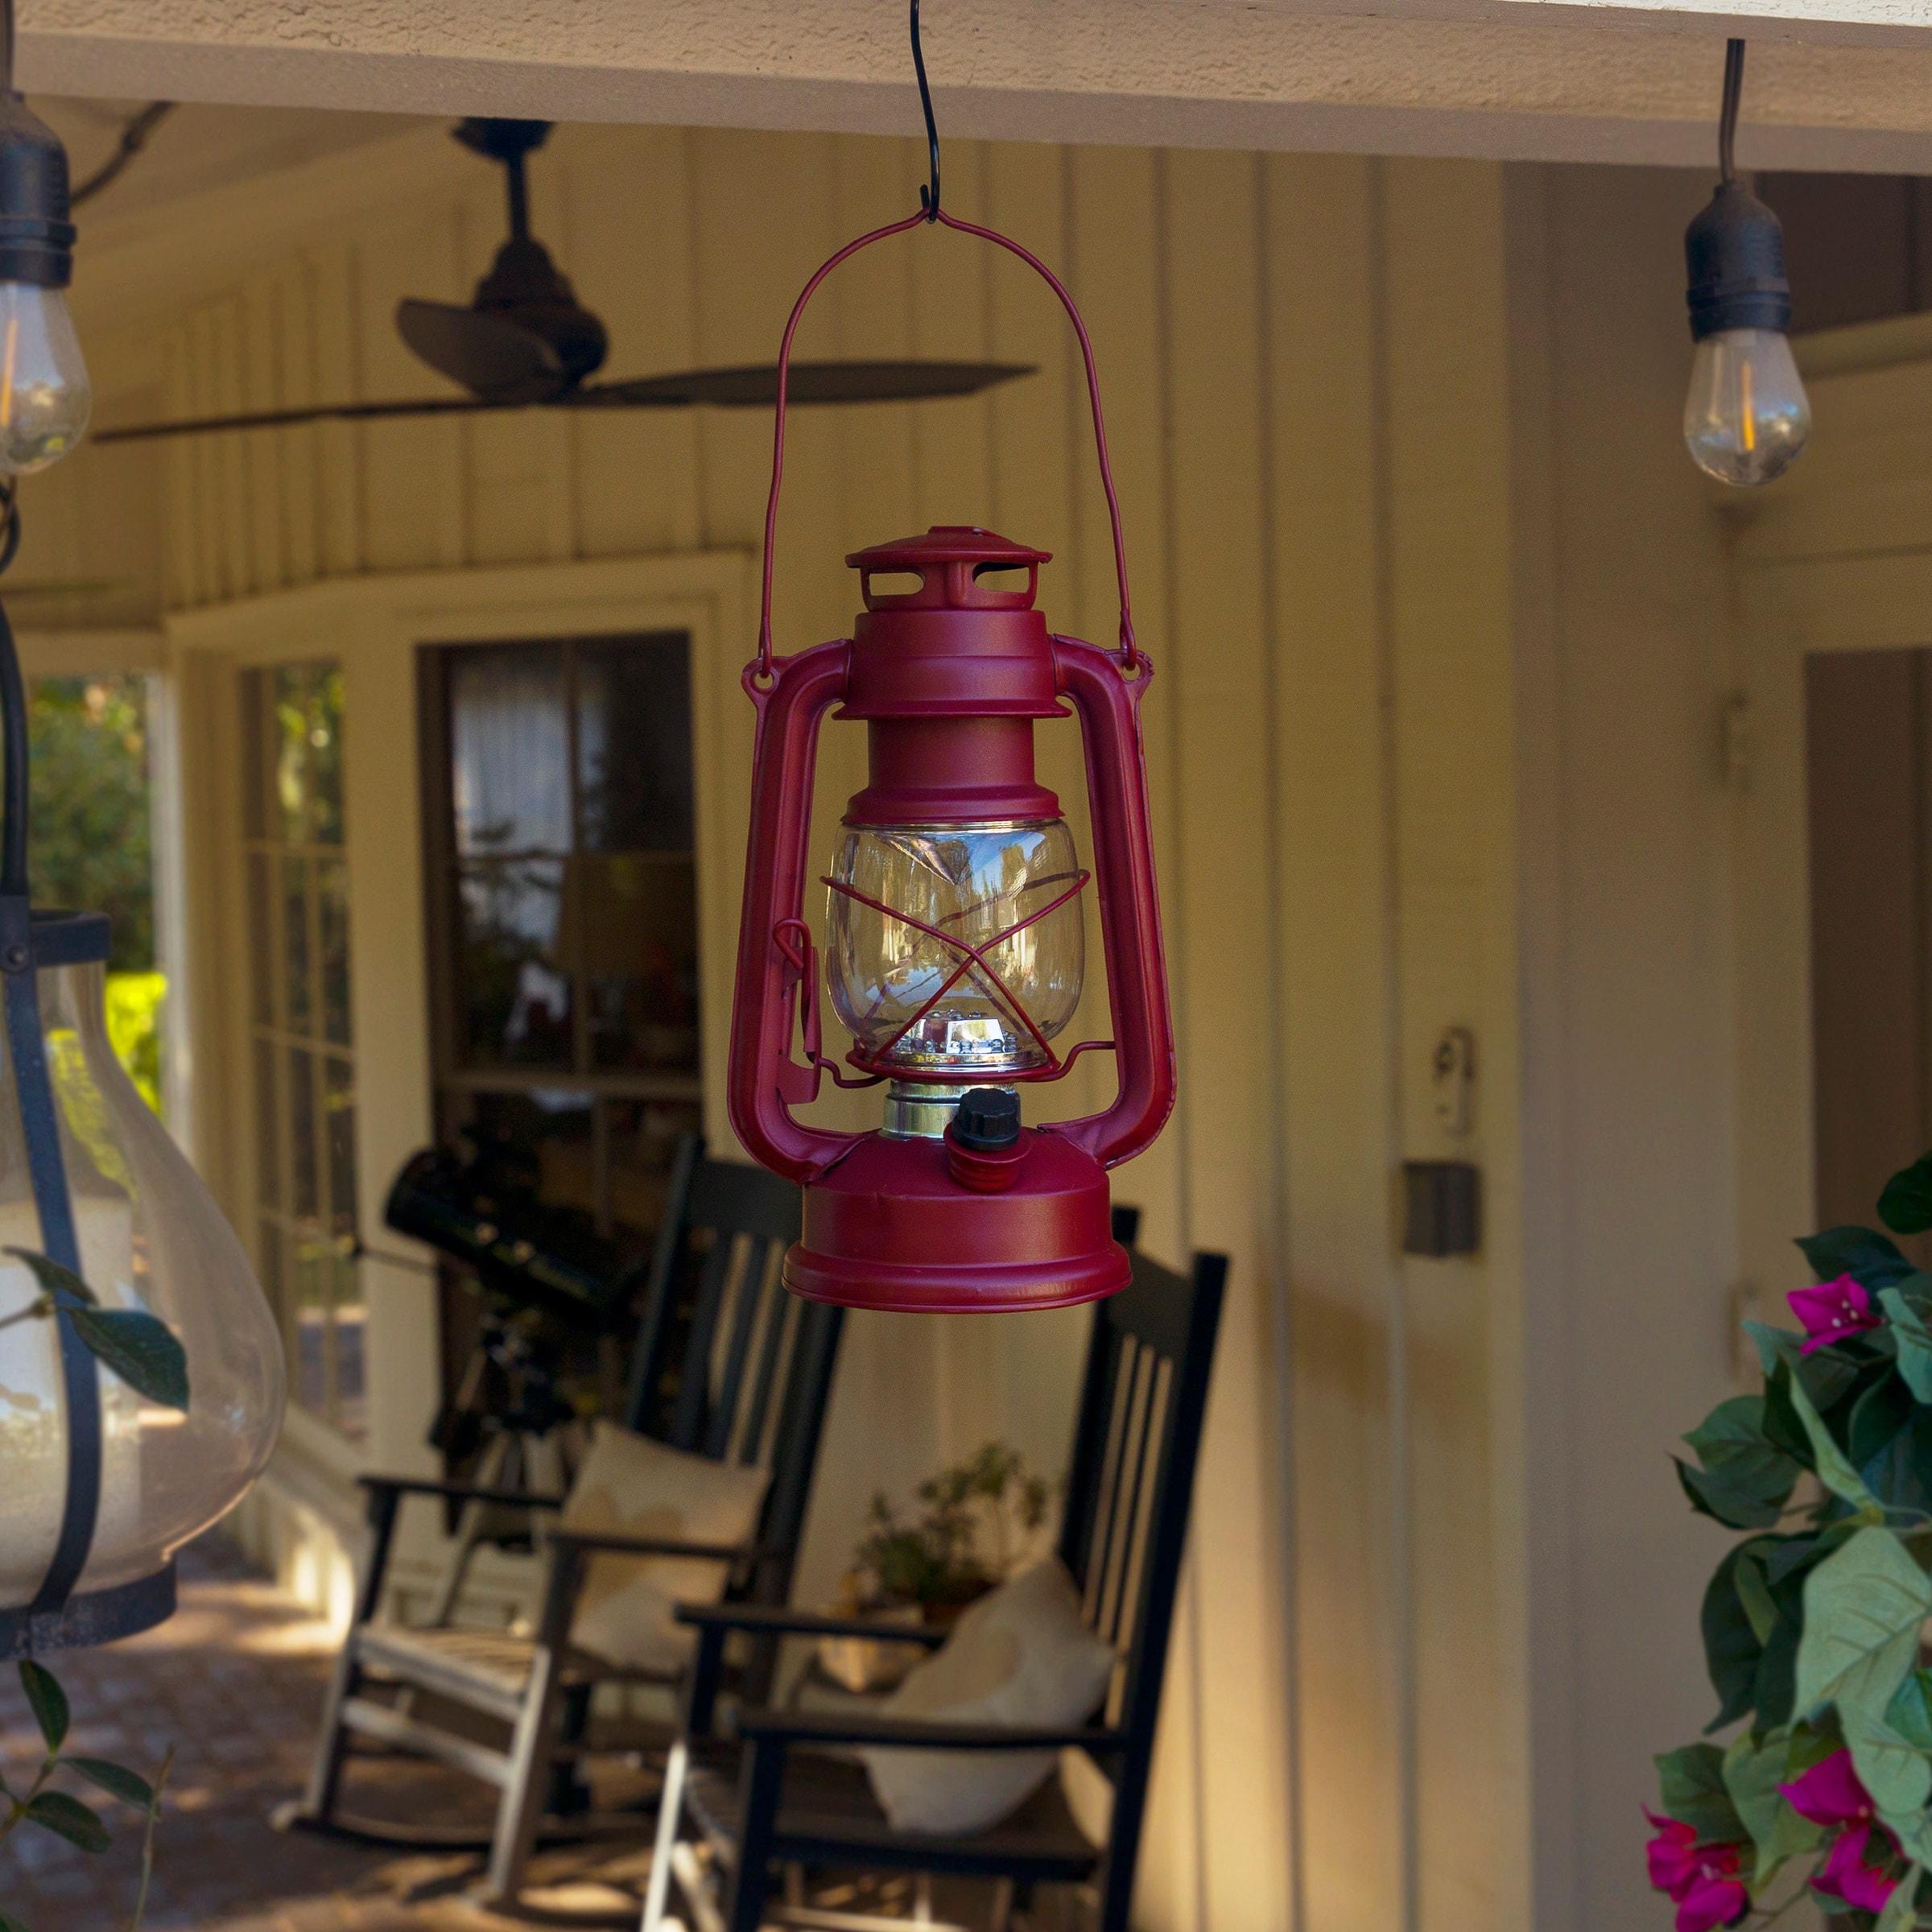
column 373, row 626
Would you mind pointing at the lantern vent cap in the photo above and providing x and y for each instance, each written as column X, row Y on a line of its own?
column 949, row 544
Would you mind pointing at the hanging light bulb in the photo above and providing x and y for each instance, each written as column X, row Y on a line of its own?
column 1746, row 416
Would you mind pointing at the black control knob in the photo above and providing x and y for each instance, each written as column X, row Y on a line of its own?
column 988, row 1119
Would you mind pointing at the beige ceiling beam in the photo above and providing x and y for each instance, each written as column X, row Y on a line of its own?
column 1833, row 83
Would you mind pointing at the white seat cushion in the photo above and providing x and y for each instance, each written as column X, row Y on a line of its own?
column 1019, row 1655
column 630, row 1485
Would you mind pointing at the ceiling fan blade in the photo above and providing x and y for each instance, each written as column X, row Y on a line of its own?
column 757, row 387
column 286, row 418
column 490, row 355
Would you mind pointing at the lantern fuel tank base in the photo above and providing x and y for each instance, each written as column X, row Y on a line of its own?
column 891, row 1227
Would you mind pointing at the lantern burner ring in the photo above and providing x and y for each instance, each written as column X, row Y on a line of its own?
column 881, row 1065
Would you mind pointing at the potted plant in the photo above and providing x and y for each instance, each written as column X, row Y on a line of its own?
column 978, row 1521
column 1813, row 1622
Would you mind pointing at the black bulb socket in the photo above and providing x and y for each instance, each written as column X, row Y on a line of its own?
column 1734, row 254
column 988, row 1119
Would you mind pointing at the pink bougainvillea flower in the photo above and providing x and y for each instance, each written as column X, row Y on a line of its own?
column 1701, row 1880
column 1671, row 1853
column 1715, row 1896
column 1832, row 1311
column 1830, row 1794
column 1846, row 1874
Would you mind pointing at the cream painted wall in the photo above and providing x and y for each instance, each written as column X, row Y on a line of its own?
column 1389, row 602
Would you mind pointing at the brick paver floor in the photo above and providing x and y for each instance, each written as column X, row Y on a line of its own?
column 235, row 1681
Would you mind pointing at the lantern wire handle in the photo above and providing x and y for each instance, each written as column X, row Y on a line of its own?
column 761, row 672
column 1726, row 122
column 928, row 196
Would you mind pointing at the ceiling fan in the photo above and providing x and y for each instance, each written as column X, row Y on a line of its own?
column 525, row 341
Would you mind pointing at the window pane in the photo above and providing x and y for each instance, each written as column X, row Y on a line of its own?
column 641, row 962
column 509, row 750
column 350, row 1326
column 302, row 1133
column 341, row 1102
column 311, row 1260
column 260, row 941
column 298, row 972
column 331, row 886
column 551, row 1130
column 515, row 996
column 634, row 745
column 307, row 727
column 268, row 1135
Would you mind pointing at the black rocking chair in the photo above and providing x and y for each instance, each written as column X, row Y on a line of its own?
column 775, row 1795
column 743, row 1373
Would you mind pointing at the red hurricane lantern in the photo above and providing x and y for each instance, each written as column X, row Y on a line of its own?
column 954, row 944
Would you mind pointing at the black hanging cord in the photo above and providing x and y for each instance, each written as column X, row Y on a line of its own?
column 1727, row 122
column 6, row 45
column 13, row 721
column 134, row 137
column 929, row 196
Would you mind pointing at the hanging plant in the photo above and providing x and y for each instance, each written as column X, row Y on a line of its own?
column 1813, row 1621
column 45, row 1805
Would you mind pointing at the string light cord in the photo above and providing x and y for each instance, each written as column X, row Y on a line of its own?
column 1727, row 120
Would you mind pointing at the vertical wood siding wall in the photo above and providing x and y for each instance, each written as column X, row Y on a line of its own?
column 1304, row 365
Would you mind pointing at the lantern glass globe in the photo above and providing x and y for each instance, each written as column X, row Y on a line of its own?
column 976, row 883
column 150, row 1237
column 1746, row 415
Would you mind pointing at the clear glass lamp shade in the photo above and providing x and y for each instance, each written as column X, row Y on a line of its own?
column 151, row 1237
column 45, row 394
column 976, row 881
column 1746, row 415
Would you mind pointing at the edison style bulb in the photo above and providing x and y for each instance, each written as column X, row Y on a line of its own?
column 45, row 394
column 994, row 886
column 150, row 1237
column 1747, row 416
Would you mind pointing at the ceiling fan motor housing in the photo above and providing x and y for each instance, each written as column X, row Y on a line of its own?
column 525, row 286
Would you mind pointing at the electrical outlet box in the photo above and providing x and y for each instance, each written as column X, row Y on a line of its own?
column 1442, row 1205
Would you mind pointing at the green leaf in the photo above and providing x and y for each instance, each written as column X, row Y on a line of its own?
column 1733, row 1646
column 1834, row 1467
column 1863, row 1608
column 117, row 1781
column 147, row 1840
column 1754, row 1768
column 1914, row 1832
column 1879, row 1417
column 1731, row 1446
column 1692, row 1790
column 139, row 1348
column 53, row 1278
column 1777, row 1673
column 1905, row 1206
column 69, row 1819
column 48, row 1702
column 1907, row 1312
column 1861, row 1253
column 10, row 1924
column 1896, row 1773
column 1755, row 1594
column 1717, row 1498
column 1909, row 1713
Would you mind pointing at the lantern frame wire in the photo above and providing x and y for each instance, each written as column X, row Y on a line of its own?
column 57, row 1618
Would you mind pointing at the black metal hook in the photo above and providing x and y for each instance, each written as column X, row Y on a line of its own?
column 1727, row 122
column 929, row 197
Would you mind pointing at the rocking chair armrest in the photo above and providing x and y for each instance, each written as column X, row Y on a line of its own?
column 461, row 1492
column 864, row 1728
column 778, row 1620
column 562, row 1535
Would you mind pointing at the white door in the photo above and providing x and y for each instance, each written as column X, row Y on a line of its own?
column 1831, row 752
